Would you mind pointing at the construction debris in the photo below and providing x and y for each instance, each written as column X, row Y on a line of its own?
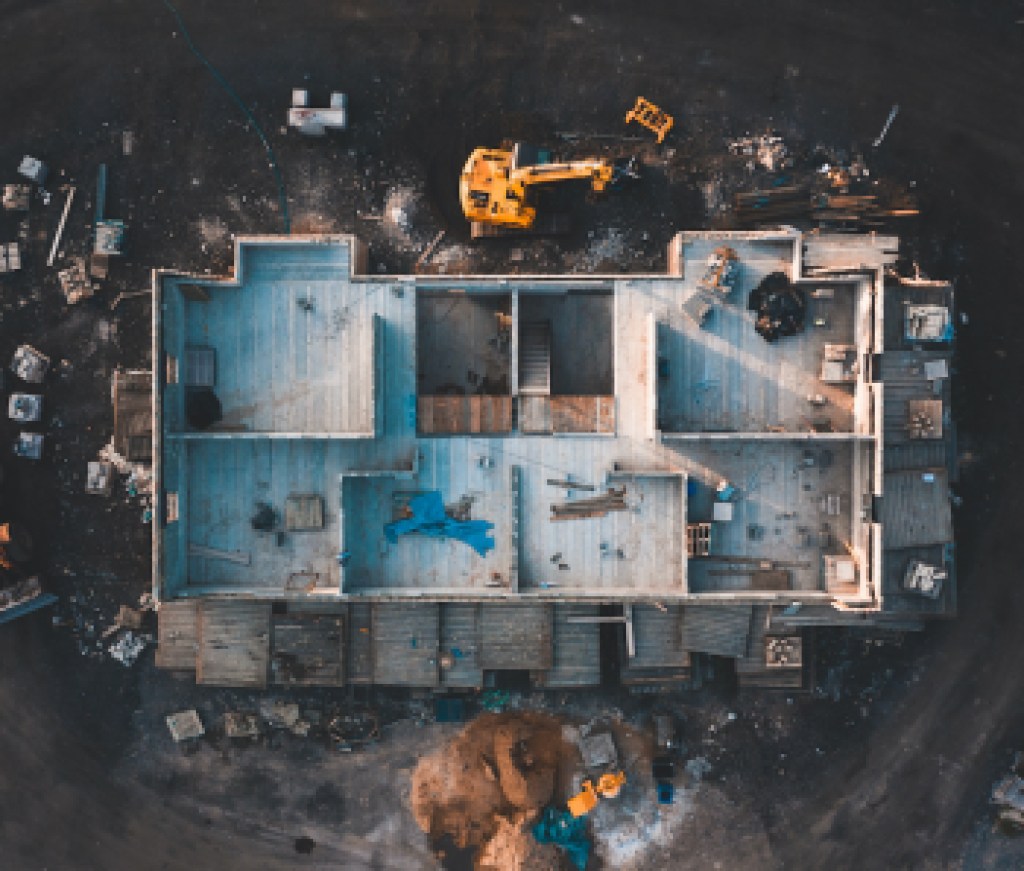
column 16, row 197
column 10, row 257
column 60, row 227
column 74, row 282
column 29, row 445
column 185, row 726
column 722, row 272
column 98, row 478
column 595, row 506
column 350, row 730
column 316, row 122
column 598, row 751
column 108, row 236
column 23, row 598
column 33, row 169
column 779, row 305
column 646, row 114
column 127, row 648
column 766, row 150
column 239, row 726
column 30, row 365
column 893, row 112
column 25, row 407
column 129, row 618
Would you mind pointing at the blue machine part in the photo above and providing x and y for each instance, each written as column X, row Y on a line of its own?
column 566, row 831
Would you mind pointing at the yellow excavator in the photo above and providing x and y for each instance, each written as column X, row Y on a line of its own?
column 495, row 185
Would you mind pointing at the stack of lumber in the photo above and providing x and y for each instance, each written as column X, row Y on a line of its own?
column 594, row 506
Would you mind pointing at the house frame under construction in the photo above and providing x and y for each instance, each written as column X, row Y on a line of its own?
column 656, row 475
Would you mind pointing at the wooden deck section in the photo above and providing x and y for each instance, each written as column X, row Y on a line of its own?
column 516, row 637
column 308, row 650
column 576, row 648
column 718, row 630
column 450, row 415
column 916, row 509
column 660, row 657
column 177, row 635
column 405, row 641
column 540, row 415
column 234, row 643
column 460, row 645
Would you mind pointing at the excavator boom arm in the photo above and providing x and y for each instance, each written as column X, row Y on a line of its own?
column 493, row 190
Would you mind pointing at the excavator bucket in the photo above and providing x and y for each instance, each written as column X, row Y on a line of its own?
column 584, row 801
column 646, row 114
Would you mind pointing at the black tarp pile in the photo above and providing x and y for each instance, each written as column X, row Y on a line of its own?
column 780, row 306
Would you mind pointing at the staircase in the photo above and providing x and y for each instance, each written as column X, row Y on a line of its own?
column 535, row 359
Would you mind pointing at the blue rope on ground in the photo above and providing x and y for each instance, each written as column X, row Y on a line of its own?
column 245, row 110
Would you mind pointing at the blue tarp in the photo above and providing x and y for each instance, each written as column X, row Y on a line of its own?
column 568, row 832
column 429, row 518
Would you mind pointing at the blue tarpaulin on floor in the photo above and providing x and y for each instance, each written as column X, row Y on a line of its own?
column 429, row 518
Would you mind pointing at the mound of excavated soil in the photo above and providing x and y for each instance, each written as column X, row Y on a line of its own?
column 513, row 848
column 482, row 790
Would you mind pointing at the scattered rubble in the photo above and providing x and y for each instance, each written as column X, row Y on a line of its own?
column 99, row 478
column 127, row 648
column 766, row 150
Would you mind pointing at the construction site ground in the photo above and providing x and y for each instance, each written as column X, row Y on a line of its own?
column 888, row 765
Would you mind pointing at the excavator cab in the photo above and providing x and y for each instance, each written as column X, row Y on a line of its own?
column 496, row 184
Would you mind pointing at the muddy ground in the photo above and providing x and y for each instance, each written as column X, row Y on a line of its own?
column 893, row 774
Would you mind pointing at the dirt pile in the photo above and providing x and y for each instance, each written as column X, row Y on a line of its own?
column 513, row 848
column 477, row 795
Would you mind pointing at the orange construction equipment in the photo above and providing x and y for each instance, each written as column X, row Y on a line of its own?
column 495, row 184
column 608, row 786
column 646, row 114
